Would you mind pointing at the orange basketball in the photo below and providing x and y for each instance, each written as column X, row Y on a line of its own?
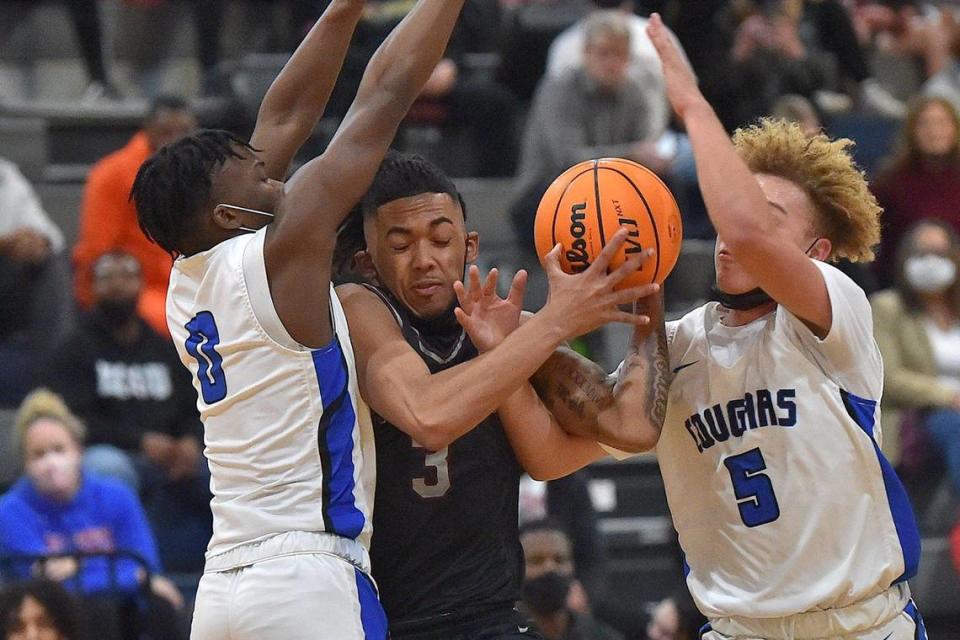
column 588, row 203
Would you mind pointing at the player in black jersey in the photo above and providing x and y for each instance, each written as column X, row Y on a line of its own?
column 445, row 550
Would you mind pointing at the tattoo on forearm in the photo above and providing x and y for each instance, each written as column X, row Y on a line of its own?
column 649, row 358
column 575, row 390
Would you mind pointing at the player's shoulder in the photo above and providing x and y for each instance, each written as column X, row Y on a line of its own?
column 689, row 324
column 840, row 283
column 366, row 308
column 352, row 292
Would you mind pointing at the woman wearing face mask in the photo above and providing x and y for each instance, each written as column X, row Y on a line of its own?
column 56, row 508
column 917, row 327
column 922, row 179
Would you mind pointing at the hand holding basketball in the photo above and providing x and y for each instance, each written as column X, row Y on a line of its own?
column 583, row 302
column 681, row 83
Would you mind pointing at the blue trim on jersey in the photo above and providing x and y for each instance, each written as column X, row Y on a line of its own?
column 341, row 515
column 863, row 412
column 372, row 615
column 686, row 567
column 705, row 629
column 912, row 611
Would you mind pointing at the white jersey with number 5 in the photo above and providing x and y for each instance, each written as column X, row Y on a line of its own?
column 778, row 490
column 288, row 438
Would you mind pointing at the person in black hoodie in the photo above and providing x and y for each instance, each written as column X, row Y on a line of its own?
column 127, row 385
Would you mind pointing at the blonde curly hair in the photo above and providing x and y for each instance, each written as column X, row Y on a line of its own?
column 45, row 404
column 848, row 214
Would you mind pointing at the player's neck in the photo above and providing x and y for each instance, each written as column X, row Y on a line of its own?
column 741, row 317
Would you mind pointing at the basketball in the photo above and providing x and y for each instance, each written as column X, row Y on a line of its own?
column 589, row 202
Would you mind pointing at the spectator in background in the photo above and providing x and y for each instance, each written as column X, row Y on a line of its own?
column 56, row 508
column 529, row 28
column 794, row 108
column 551, row 593
column 33, row 310
column 39, row 610
column 675, row 618
column 566, row 54
column 126, row 383
column 945, row 83
column 922, row 179
column 768, row 59
column 594, row 112
column 917, row 327
column 108, row 219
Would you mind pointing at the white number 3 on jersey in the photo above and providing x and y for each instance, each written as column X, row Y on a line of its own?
column 435, row 479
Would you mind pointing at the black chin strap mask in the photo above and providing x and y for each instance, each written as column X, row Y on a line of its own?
column 748, row 300
column 739, row 301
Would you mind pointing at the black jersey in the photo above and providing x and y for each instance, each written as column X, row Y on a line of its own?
column 445, row 541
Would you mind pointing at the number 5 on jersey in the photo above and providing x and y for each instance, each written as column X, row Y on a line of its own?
column 202, row 345
column 754, row 491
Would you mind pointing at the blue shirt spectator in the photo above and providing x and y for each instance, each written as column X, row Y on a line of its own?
column 104, row 516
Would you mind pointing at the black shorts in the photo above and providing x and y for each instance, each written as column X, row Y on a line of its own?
column 500, row 624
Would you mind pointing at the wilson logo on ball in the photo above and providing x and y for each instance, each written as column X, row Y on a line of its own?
column 588, row 203
column 577, row 253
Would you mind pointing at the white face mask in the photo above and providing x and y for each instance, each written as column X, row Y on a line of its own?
column 253, row 211
column 929, row 273
column 56, row 474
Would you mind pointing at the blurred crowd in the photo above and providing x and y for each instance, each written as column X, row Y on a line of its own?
column 114, row 489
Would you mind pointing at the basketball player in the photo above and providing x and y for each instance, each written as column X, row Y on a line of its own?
column 793, row 523
column 446, row 553
column 255, row 320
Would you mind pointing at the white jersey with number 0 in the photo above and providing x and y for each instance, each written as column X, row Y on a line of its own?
column 769, row 453
column 288, row 439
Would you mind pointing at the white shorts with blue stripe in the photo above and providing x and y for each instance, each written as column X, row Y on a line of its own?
column 292, row 595
column 891, row 615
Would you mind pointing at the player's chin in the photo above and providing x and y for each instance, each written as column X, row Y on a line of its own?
column 733, row 280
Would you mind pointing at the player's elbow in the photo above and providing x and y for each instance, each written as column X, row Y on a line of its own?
column 430, row 431
column 632, row 437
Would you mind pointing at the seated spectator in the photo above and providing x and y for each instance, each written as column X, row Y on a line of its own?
column 769, row 58
column 126, row 383
column 598, row 111
column 945, row 83
column 917, row 327
column 39, row 610
column 567, row 54
column 675, row 618
column 56, row 508
column 922, row 179
column 108, row 219
column 33, row 312
column 552, row 596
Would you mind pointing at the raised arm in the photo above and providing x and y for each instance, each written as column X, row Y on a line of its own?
column 321, row 194
column 739, row 210
column 296, row 99
column 299, row 246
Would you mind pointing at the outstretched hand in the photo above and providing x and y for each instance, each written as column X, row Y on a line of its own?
column 681, row 83
column 484, row 315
